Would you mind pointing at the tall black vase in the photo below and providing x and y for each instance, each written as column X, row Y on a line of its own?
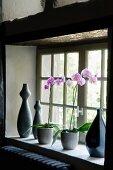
column 95, row 137
column 24, row 120
column 37, row 118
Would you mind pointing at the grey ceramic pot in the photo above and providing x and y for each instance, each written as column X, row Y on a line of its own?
column 44, row 135
column 69, row 140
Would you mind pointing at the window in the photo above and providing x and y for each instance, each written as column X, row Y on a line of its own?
column 66, row 61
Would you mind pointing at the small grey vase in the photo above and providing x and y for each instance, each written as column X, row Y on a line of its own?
column 37, row 118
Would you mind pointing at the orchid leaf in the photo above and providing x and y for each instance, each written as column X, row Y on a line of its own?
column 55, row 136
column 84, row 127
column 55, row 126
column 46, row 125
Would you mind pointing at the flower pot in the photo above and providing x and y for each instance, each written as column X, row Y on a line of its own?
column 44, row 135
column 69, row 140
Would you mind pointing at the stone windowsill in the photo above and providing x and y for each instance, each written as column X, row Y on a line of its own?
column 78, row 157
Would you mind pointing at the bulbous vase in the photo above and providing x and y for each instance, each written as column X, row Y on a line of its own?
column 37, row 118
column 24, row 120
column 95, row 137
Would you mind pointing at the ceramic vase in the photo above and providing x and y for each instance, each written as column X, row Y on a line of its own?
column 69, row 140
column 24, row 120
column 37, row 118
column 95, row 137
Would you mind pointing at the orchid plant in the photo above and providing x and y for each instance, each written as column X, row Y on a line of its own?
column 77, row 79
column 48, row 86
column 51, row 81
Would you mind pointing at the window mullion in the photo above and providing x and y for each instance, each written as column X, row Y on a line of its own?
column 81, row 91
column 52, row 73
column 64, row 91
column 38, row 75
column 102, row 76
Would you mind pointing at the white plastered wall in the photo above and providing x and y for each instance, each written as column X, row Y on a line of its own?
column 20, row 68
column 20, row 8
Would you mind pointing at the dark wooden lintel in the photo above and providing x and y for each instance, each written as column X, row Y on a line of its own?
column 78, row 17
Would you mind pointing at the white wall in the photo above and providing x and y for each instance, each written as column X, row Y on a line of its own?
column 20, row 8
column 20, row 68
column 61, row 3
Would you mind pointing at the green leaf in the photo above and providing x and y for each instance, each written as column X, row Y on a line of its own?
column 84, row 127
column 39, row 125
column 46, row 125
column 56, row 127
column 55, row 136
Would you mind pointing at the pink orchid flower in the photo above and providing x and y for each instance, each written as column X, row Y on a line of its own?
column 89, row 75
column 50, row 81
column 46, row 87
column 93, row 79
column 78, row 77
column 60, row 80
column 86, row 73
column 81, row 81
column 69, row 83
column 63, row 78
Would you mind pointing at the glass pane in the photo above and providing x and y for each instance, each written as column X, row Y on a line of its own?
column 58, row 94
column 57, row 115
column 104, row 116
column 69, row 96
column 44, row 113
column 58, row 65
column 44, row 93
column 68, row 117
column 46, row 65
column 94, row 61
column 72, row 63
column 93, row 94
column 106, row 61
column 91, row 115
column 105, row 94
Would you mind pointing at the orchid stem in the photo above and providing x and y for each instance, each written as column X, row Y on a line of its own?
column 72, row 115
column 49, row 107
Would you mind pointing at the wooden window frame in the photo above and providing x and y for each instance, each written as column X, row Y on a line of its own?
column 82, row 64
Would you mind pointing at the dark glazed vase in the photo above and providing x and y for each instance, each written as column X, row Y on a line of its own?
column 95, row 137
column 24, row 120
column 37, row 118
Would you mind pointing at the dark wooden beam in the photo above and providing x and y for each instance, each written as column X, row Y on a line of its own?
column 0, row 11
column 78, row 17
